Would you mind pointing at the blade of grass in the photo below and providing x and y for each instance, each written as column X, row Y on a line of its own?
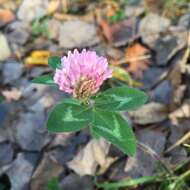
column 179, row 142
column 131, row 182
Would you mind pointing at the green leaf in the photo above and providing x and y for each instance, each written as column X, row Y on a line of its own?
column 44, row 79
column 69, row 116
column 54, row 62
column 93, row 133
column 115, row 129
column 121, row 74
column 119, row 15
column 53, row 184
column 120, row 98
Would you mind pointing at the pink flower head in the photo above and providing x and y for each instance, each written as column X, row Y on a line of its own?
column 82, row 74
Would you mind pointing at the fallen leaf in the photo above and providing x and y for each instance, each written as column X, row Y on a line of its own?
column 118, row 33
column 12, row 95
column 150, row 113
column 38, row 57
column 154, row 6
column 137, row 56
column 92, row 155
column 6, row 16
column 53, row 6
column 181, row 112
column 46, row 169
column 106, row 30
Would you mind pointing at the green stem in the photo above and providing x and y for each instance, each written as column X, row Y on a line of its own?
column 185, row 175
column 130, row 182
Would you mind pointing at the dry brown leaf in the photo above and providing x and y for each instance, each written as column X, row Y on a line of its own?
column 150, row 113
column 6, row 16
column 45, row 171
column 180, row 113
column 64, row 17
column 109, row 8
column 39, row 57
column 106, row 30
column 53, row 6
column 137, row 56
column 154, row 6
column 12, row 95
column 92, row 155
column 118, row 33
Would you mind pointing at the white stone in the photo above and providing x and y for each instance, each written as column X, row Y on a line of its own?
column 31, row 9
column 4, row 48
column 76, row 33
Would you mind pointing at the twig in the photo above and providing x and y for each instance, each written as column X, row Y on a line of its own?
column 134, row 59
column 179, row 142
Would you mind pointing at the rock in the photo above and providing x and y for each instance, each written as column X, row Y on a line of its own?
column 153, row 23
column 36, row 90
column 179, row 153
column 4, row 110
column 21, row 170
column 150, row 27
column 31, row 133
column 6, row 153
column 73, row 34
column 123, row 32
column 37, row 71
column 87, row 160
column 44, row 172
column 43, row 103
column 184, row 21
column 12, row 71
column 8, row 113
column 143, row 164
column 164, row 48
column 18, row 33
column 29, row 10
column 4, row 48
column 151, row 77
column 134, row 10
column 150, row 113
column 120, row 33
column 41, row 94
column 163, row 92
column 74, row 182
column 54, row 29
